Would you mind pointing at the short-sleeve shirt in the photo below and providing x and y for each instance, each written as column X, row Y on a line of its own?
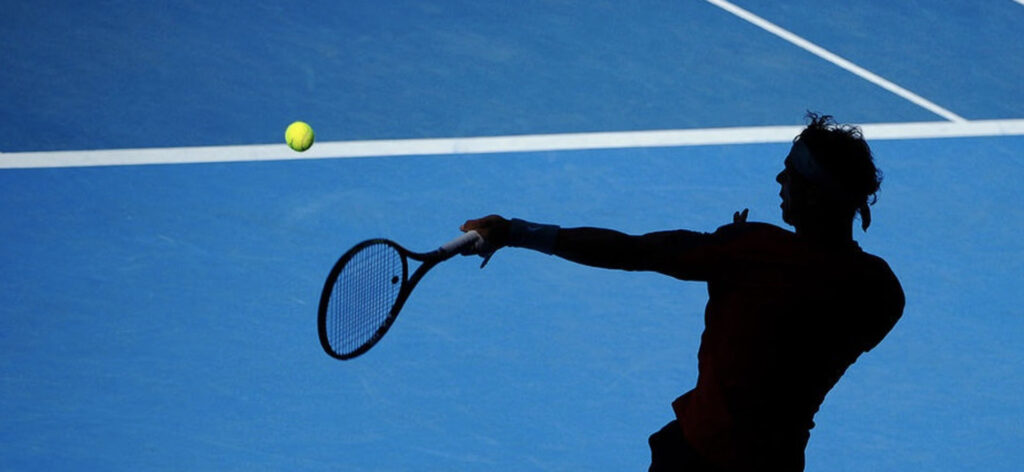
column 785, row 318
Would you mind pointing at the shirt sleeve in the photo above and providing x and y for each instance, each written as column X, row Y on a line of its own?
column 695, row 256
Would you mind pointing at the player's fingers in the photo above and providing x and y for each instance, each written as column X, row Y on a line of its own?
column 480, row 223
column 470, row 225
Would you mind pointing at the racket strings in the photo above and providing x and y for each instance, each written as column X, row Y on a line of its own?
column 363, row 295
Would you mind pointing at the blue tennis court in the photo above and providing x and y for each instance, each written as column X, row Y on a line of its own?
column 164, row 251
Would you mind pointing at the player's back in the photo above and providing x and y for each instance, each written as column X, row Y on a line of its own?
column 786, row 317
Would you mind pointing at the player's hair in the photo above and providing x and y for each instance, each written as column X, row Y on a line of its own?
column 841, row 150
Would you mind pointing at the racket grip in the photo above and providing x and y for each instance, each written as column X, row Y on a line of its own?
column 470, row 238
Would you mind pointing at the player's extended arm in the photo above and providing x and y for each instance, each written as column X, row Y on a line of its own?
column 663, row 252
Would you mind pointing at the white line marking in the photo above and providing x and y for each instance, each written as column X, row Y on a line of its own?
column 496, row 144
column 837, row 60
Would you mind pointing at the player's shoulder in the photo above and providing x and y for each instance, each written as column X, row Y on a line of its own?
column 887, row 296
column 882, row 269
column 757, row 240
column 882, row 278
column 875, row 263
column 762, row 231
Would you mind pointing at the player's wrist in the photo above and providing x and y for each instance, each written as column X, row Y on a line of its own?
column 529, row 235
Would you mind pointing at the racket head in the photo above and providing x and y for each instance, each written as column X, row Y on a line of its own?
column 360, row 298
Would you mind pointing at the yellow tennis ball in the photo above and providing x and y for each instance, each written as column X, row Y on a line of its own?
column 299, row 136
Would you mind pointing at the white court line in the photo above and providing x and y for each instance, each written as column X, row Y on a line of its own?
column 837, row 60
column 496, row 144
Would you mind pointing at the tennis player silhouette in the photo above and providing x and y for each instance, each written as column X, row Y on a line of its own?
column 787, row 312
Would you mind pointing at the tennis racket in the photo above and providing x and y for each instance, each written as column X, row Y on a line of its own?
column 367, row 288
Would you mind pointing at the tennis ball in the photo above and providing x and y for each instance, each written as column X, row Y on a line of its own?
column 299, row 136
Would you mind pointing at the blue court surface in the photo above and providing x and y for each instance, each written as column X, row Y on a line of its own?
column 164, row 252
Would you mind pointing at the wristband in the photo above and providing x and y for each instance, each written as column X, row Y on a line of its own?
column 534, row 236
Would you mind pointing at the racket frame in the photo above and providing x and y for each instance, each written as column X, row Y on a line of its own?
column 428, row 260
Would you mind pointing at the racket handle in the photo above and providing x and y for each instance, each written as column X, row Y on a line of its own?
column 470, row 238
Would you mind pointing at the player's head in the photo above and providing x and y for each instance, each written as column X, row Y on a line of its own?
column 829, row 172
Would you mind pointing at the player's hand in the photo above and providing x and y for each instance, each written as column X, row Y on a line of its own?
column 493, row 228
column 740, row 216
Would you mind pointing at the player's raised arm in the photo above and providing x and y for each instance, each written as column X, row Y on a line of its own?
column 661, row 251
